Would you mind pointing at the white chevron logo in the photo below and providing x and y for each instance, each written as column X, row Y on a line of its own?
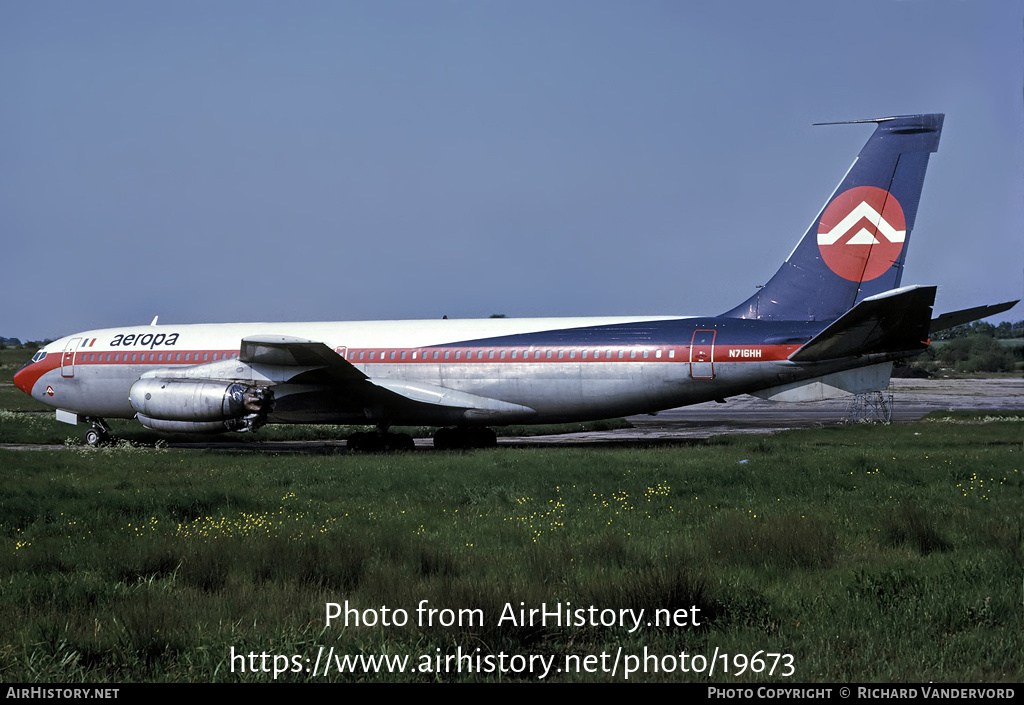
column 862, row 237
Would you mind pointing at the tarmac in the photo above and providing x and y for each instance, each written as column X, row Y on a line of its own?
column 911, row 399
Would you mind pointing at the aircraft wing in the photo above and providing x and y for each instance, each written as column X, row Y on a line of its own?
column 893, row 321
column 286, row 351
column 475, row 405
column 311, row 357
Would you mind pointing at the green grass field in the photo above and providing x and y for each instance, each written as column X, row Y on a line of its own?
column 865, row 553
column 12, row 398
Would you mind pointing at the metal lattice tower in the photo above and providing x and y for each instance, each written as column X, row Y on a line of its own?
column 871, row 407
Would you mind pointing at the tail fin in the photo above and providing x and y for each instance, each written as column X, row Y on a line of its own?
column 857, row 245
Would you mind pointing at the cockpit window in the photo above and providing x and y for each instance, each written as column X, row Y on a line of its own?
column 38, row 356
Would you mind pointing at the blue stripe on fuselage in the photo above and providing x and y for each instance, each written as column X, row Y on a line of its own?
column 730, row 331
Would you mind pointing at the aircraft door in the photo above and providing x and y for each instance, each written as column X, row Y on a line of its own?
column 67, row 360
column 702, row 354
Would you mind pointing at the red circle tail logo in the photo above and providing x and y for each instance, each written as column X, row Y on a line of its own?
column 861, row 233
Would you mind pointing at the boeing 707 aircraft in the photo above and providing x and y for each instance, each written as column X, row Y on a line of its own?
column 831, row 321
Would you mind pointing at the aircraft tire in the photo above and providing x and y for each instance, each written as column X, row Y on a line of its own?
column 445, row 438
column 484, row 438
column 399, row 441
column 95, row 436
column 357, row 442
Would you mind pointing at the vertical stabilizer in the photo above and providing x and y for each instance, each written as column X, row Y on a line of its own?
column 857, row 245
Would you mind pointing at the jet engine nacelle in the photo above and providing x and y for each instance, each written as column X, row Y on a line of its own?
column 198, row 406
column 240, row 424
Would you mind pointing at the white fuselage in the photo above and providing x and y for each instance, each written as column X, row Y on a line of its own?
column 556, row 369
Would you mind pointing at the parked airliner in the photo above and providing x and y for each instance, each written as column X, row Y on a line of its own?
column 831, row 321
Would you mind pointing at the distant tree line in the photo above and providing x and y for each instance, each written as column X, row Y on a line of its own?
column 1002, row 330
column 975, row 347
column 16, row 343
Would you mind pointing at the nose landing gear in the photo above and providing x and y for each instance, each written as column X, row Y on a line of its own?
column 97, row 434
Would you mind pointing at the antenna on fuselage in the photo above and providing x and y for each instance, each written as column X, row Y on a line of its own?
column 154, row 320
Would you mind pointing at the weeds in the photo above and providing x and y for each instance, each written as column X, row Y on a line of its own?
column 137, row 563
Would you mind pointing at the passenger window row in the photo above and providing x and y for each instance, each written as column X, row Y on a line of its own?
column 420, row 355
column 353, row 355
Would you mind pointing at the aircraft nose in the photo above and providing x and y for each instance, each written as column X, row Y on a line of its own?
column 23, row 380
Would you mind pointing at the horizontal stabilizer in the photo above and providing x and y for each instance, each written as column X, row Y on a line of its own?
column 966, row 315
column 893, row 321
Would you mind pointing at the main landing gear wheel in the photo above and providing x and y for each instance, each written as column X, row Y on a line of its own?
column 465, row 438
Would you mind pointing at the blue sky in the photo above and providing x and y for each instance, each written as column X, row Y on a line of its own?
column 232, row 161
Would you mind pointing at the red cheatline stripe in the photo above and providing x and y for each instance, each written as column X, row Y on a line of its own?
column 28, row 376
column 722, row 353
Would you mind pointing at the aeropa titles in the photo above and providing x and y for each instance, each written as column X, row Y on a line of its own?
column 831, row 321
